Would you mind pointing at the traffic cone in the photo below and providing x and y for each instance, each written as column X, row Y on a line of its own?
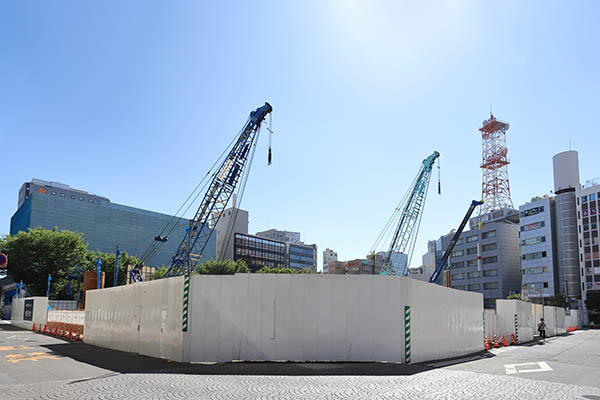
column 33, row 327
column 39, row 328
column 486, row 343
column 44, row 329
column 504, row 341
column 513, row 339
column 496, row 344
column 70, row 336
column 56, row 331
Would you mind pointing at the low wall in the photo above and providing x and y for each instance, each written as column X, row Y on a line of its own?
column 329, row 318
column 27, row 311
column 144, row 318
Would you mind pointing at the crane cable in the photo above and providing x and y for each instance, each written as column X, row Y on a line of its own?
column 155, row 245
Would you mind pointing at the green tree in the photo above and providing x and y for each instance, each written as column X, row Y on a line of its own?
column 38, row 252
column 275, row 270
column 109, row 262
column 224, row 267
column 514, row 296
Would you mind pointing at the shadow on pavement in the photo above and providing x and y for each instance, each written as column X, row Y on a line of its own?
column 122, row 362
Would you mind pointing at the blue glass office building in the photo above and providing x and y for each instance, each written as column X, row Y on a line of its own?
column 102, row 223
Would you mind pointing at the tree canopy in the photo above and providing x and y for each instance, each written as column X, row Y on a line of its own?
column 34, row 254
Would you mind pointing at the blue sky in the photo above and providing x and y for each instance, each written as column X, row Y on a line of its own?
column 134, row 101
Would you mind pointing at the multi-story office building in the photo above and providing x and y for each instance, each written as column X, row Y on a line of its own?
column 539, row 263
column 258, row 252
column 301, row 256
column 298, row 253
column 102, row 223
column 234, row 220
column 499, row 273
column 328, row 256
column 588, row 211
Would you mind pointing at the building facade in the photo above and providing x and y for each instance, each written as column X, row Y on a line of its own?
column 301, row 256
column 103, row 224
column 234, row 220
column 539, row 263
column 328, row 256
column 588, row 201
column 499, row 272
column 259, row 252
column 282, row 236
column 566, row 183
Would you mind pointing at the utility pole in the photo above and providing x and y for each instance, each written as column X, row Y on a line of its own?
column 98, row 273
column 118, row 253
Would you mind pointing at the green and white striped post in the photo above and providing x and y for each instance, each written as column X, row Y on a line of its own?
column 186, row 297
column 517, row 328
column 407, row 334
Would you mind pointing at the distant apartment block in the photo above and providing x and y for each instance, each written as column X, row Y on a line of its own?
column 328, row 256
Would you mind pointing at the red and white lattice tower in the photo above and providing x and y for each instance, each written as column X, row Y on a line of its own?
column 495, row 187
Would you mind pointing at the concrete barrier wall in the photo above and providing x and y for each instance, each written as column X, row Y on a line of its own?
column 506, row 311
column 328, row 318
column 40, row 312
column 491, row 324
column 144, row 318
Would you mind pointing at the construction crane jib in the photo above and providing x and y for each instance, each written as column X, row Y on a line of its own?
column 220, row 190
column 406, row 231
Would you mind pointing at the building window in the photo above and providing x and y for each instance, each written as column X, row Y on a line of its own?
column 73, row 197
column 592, row 196
column 458, row 277
column 475, row 286
column 62, row 195
column 490, row 272
column 459, row 264
column 534, row 256
column 489, row 247
column 472, row 263
column 473, row 238
column 487, row 235
column 471, row 251
column 91, row 201
column 584, row 199
column 474, row 274
column 81, row 199
column 490, row 285
column 53, row 193
column 490, row 260
column 460, row 241
column 535, row 240
column 459, row 287
column 534, row 270
column 458, row 253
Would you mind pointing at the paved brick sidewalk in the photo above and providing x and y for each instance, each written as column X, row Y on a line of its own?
column 435, row 384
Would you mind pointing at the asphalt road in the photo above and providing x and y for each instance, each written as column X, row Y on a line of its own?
column 34, row 366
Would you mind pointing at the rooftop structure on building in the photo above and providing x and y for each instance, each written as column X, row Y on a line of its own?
column 102, row 223
column 233, row 220
column 283, row 236
column 328, row 255
column 299, row 255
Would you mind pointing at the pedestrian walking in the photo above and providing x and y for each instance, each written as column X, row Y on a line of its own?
column 542, row 329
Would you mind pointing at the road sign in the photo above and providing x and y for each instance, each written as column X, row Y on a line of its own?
column 3, row 260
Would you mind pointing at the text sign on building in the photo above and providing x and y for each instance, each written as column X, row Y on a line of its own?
column 28, row 310
column 3, row 260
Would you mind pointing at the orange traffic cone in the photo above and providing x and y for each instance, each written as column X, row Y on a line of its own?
column 513, row 339
column 496, row 344
column 70, row 336
column 33, row 327
column 486, row 344
column 56, row 331
column 45, row 328
column 504, row 341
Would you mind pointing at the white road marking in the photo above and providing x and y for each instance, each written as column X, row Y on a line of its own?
column 512, row 368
